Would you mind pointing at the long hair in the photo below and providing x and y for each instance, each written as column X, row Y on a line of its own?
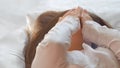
column 42, row 25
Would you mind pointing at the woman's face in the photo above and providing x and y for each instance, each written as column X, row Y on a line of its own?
column 77, row 41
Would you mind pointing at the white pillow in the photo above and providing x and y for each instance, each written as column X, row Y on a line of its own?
column 11, row 49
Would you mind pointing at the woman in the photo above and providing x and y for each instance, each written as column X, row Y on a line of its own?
column 60, row 50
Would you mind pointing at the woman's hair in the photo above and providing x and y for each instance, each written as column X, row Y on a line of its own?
column 43, row 24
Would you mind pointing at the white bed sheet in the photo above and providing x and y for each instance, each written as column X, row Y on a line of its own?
column 13, row 22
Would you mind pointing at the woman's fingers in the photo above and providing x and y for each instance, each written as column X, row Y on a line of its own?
column 66, row 14
column 73, row 12
column 76, row 12
column 85, row 16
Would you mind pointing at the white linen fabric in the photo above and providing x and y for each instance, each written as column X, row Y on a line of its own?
column 13, row 22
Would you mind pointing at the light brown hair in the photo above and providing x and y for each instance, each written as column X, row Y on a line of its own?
column 42, row 25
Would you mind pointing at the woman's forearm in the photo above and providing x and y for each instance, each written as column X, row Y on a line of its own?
column 62, row 31
column 102, row 36
column 51, row 52
column 51, row 56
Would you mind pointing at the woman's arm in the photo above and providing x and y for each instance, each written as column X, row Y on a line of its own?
column 51, row 52
column 51, row 56
column 101, row 35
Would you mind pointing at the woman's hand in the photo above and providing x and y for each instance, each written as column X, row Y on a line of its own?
column 76, row 39
column 85, row 17
column 74, row 12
